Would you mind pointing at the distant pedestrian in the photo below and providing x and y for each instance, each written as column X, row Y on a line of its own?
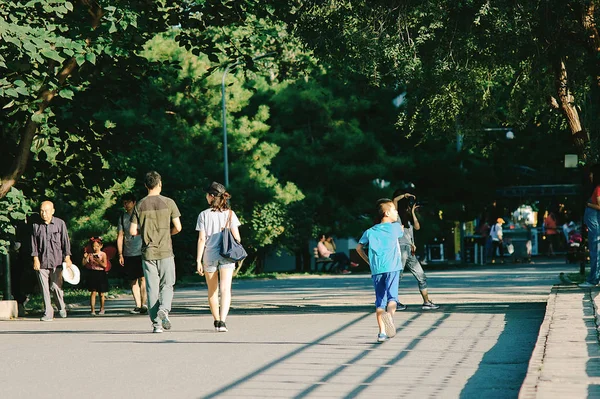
column 50, row 247
column 96, row 263
column 551, row 232
column 407, row 206
column 385, row 261
column 497, row 236
column 591, row 218
column 210, row 225
column 156, row 219
column 130, row 256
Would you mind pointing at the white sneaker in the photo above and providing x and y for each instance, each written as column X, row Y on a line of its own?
column 163, row 315
column 586, row 285
column 388, row 322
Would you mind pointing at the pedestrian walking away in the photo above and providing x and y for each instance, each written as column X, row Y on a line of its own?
column 407, row 206
column 96, row 264
column 385, row 261
column 50, row 248
column 130, row 256
column 217, row 270
column 591, row 218
column 496, row 234
column 156, row 218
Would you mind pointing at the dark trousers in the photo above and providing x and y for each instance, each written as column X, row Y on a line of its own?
column 23, row 278
column 340, row 261
column 497, row 244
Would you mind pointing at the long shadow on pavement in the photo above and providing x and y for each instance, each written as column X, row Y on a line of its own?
column 503, row 368
column 501, row 353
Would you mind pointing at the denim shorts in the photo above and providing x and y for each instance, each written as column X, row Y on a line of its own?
column 218, row 264
column 386, row 288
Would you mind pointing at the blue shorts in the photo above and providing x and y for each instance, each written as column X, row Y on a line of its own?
column 386, row 288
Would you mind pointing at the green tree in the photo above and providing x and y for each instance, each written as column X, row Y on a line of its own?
column 467, row 65
column 52, row 52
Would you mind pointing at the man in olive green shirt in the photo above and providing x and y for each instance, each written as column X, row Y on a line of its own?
column 156, row 219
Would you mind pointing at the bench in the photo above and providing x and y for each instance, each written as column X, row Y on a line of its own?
column 324, row 262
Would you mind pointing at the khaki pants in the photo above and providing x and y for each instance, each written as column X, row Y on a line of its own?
column 51, row 280
column 160, row 278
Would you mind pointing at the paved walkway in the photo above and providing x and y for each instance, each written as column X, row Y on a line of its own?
column 314, row 337
column 566, row 360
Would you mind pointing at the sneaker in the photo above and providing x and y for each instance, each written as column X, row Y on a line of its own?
column 388, row 322
column 144, row 309
column 222, row 327
column 93, row 313
column 46, row 318
column 157, row 329
column 101, row 312
column 586, row 285
column 382, row 337
column 136, row 310
column 163, row 315
column 353, row 264
column 430, row 306
column 400, row 307
column 346, row 272
column 217, row 323
column 63, row 314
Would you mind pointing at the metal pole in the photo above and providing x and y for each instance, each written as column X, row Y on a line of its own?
column 7, row 287
column 224, row 112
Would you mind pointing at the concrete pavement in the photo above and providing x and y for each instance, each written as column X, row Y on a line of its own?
column 315, row 337
column 566, row 360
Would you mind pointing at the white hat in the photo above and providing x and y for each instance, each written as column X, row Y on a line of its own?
column 71, row 275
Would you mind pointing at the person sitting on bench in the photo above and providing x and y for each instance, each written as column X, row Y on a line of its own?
column 341, row 262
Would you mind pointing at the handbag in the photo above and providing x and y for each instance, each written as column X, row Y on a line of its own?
column 231, row 249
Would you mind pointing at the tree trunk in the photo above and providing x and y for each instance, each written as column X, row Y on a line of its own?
column 565, row 104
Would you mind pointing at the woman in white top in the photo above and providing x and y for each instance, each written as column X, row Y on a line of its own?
column 210, row 225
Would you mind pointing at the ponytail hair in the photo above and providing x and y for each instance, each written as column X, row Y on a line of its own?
column 220, row 202
column 219, row 197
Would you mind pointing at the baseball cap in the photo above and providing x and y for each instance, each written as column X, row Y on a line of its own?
column 215, row 188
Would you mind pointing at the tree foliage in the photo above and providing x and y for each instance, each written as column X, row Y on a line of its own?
column 468, row 64
column 95, row 94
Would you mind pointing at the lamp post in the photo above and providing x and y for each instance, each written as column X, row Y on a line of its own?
column 224, row 113
column 229, row 67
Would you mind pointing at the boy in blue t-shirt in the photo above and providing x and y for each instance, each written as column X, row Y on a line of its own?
column 385, row 262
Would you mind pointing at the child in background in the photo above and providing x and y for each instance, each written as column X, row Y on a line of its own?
column 97, row 279
column 385, row 262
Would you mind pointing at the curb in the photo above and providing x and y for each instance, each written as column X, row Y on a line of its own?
column 534, row 370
